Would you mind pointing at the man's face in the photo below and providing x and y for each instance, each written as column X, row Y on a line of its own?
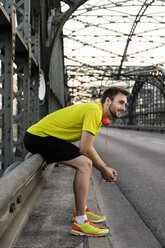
column 117, row 106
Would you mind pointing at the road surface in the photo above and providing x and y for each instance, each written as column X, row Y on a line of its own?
column 135, row 204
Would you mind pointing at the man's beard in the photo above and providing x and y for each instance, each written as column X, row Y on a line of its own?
column 113, row 111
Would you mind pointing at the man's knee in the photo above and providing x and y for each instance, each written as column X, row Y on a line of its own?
column 81, row 163
column 86, row 164
column 89, row 163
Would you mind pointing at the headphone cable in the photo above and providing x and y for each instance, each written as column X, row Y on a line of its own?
column 100, row 183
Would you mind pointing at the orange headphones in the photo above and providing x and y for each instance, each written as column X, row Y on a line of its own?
column 105, row 120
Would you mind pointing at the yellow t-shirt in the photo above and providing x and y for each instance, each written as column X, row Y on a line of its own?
column 68, row 123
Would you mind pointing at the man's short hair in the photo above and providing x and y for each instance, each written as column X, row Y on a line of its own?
column 112, row 92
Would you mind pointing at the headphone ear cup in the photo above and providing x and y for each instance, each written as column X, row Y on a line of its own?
column 105, row 121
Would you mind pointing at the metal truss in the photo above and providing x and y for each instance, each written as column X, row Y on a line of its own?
column 30, row 45
column 147, row 104
column 6, row 91
column 19, row 71
column 140, row 14
column 104, row 40
column 56, row 21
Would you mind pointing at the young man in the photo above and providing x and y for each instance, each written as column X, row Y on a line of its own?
column 52, row 137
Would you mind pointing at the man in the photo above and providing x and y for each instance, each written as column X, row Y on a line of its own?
column 52, row 137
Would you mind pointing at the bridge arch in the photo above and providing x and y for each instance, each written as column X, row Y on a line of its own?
column 147, row 103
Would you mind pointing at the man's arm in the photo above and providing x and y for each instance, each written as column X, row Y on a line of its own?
column 87, row 149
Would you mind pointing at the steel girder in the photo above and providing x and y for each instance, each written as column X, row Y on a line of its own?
column 140, row 14
column 153, row 76
column 18, row 68
column 57, row 22
column 6, row 99
column 25, row 41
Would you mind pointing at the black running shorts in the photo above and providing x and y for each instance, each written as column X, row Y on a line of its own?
column 52, row 149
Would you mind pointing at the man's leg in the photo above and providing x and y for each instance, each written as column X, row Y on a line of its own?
column 81, row 225
column 83, row 167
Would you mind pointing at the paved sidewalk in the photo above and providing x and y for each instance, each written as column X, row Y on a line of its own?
column 49, row 224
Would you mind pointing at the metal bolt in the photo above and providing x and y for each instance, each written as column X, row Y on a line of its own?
column 19, row 199
column 12, row 208
column 44, row 166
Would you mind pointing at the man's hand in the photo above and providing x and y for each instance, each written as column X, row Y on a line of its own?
column 87, row 149
column 109, row 174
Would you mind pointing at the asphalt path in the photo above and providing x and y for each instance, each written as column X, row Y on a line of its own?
column 135, row 203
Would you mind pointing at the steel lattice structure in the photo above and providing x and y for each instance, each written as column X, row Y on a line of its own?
column 105, row 39
column 27, row 48
column 102, row 43
column 118, row 43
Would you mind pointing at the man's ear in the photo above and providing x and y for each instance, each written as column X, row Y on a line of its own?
column 108, row 100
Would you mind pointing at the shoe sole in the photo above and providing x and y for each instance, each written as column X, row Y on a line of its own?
column 97, row 221
column 73, row 232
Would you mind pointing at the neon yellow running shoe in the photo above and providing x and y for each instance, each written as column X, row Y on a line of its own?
column 92, row 216
column 88, row 229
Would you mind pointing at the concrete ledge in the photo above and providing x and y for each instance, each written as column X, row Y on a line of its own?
column 18, row 191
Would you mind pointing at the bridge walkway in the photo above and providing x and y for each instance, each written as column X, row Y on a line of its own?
column 50, row 222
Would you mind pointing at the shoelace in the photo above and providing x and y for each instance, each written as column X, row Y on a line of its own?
column 91, row 223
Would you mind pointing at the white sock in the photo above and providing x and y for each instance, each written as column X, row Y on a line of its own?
column 81, row 219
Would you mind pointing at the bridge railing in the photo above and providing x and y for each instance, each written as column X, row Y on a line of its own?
column 19, row 188
column 158, row 129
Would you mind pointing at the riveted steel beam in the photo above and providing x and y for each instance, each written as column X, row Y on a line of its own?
column 7, row 58
column 34, row 97
column 20, row 62
column 59, row 23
